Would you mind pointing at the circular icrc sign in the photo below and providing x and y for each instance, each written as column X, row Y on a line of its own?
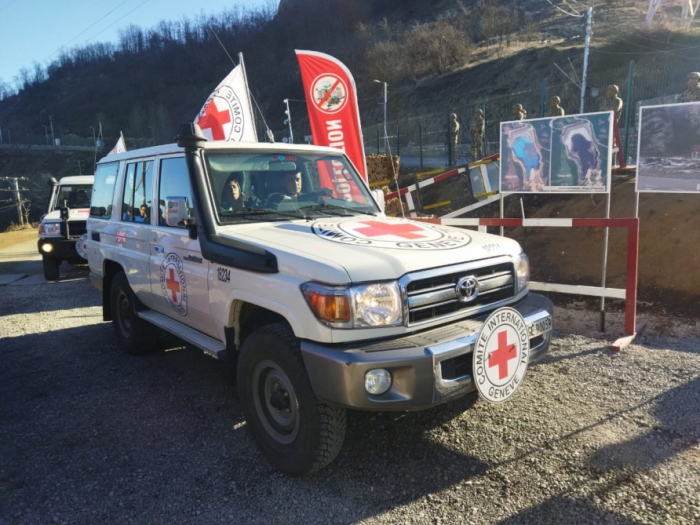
column 329, row 93
column 173, row 284
column 501, row 355
column 397, row 234
column 81, row 245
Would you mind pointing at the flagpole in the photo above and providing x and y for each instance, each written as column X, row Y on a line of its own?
column 250, row 95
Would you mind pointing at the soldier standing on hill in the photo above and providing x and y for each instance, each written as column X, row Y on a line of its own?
column 612, row 102
column 476, row 133
column 518, row 112
column 692, row 94
column 454, row 138
column 555, row 110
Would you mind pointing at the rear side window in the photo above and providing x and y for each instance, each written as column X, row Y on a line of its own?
column 136, row 206
column 174, row 182
column 103, row 190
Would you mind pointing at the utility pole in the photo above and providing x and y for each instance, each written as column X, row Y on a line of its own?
column 80, row 168
column 53, row 138
column 94, row 140
column 19, row 201
column 289, row 121
column 46, row 132
column 589, row 21
column 386, row 136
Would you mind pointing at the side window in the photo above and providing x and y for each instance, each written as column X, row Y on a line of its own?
column 493, row 172
column 174, row 182
column 136, row 204
column 477, row 182
column 103, row 190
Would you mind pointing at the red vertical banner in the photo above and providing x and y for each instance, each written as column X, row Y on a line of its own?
column 331, row 99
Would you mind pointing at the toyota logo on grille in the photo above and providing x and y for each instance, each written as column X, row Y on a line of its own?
column 467, row 289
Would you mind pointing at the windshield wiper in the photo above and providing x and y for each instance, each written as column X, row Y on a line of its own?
column 326, row 207
column 247, row 213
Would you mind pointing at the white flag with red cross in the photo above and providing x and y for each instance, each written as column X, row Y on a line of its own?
column 227, row 113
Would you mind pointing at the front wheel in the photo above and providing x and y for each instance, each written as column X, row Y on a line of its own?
column 134, row 335
column 50, row 265
column 297, row 432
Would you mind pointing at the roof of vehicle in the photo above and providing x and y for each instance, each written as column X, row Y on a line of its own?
column 264, row 147
column 77, row 179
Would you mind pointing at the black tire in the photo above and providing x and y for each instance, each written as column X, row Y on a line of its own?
column 298, row 433
column 51, row 265
column 134, row 335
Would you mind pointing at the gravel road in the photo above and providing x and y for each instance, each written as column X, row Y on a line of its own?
column 89, row 435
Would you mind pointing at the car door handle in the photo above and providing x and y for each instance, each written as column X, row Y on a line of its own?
column 159, row 249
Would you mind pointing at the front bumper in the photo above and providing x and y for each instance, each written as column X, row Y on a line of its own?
column 427, row 368
column 60, row 248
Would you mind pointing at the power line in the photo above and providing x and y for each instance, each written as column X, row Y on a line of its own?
column 577, row 15
column 7, row 5
column 85, row 30
column 117, row 20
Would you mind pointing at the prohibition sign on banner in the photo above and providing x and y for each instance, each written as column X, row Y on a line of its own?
column 501, row 355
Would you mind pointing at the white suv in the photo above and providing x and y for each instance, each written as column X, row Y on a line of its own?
column 279, row 258
column 62, row 229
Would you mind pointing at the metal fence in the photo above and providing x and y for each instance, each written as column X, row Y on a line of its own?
column 422, row 139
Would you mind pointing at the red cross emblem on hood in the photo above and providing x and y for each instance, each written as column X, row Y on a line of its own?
column 377, row 228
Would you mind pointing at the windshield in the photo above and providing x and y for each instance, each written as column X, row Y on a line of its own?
column 251, row 186
column 73, row 196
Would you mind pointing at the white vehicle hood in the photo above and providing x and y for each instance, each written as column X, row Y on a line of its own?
column 74, row 214
column 373, row 248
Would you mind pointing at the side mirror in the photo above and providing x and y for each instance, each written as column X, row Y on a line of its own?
column 176, row 211
column 379, row 199
column 192, row 228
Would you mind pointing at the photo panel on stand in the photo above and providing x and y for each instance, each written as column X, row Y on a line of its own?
column 571, row 154
column 669, row 148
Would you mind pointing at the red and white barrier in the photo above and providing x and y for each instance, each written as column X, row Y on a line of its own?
column 406, row 192
column 629, row 293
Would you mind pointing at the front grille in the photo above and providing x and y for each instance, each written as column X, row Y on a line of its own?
column 76, row 228
column 434, row 295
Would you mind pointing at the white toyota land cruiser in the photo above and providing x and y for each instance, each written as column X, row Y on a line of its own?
column 62, row 228
column 279, row 258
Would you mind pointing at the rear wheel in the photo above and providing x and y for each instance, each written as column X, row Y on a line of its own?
column 134, row 335
column 51, row 265
column 297, row 432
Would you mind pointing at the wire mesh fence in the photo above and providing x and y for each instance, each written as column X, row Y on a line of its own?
column 422, row 139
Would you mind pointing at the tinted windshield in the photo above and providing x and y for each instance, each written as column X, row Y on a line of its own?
column 249, row 186
column 73, row 196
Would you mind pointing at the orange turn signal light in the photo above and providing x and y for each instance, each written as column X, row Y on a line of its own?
column 329, row 305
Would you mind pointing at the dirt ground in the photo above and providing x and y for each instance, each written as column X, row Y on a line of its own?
column 15, row 237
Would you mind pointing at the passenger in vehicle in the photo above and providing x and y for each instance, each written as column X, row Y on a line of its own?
column 143, row 214
column 232, row 196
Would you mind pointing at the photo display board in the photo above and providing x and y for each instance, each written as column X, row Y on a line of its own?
column 570, row 154
column 669, row 148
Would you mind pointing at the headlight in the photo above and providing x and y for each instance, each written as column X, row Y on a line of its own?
column 364, row 306
column 50, row 229
column 522, row 272
column 376, row 304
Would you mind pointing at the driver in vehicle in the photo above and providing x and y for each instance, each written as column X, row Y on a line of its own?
column 291, row 184
column 81, row 199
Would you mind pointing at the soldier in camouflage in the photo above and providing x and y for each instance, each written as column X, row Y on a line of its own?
column 518, row 112
column 692, row 94
column 476, row 133
column 612, row 102
column 454, row 139
column 555, row 110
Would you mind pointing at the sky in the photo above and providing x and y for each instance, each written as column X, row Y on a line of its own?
column 36, row 30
